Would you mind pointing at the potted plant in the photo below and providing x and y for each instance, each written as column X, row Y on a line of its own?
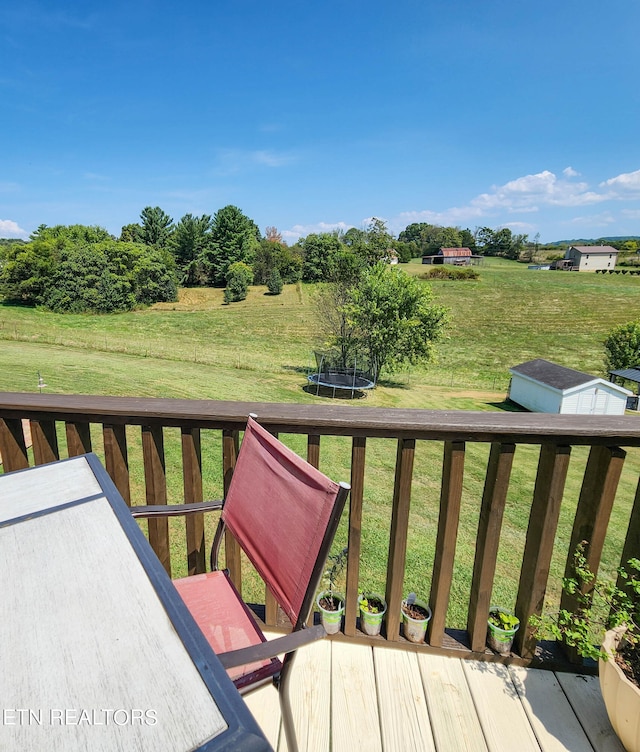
column 331, row 603
column 415, row 617
column 501, row 629
column 373, row 607
column 605, row 607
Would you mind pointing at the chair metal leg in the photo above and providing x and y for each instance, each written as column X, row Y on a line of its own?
column 285, row 704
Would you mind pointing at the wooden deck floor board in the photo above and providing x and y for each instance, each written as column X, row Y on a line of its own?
column 586, row 700
column 403, row 707
column 549, row 711
column 453, row 716
column 354, row 699
column 504, row 722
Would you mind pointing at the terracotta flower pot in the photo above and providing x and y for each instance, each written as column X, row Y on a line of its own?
column 621, row 697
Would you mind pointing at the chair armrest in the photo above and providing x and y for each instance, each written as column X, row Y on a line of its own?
column 271, row 648
column 175, row 510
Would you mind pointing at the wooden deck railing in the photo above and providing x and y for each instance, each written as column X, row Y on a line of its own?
column 554, row 434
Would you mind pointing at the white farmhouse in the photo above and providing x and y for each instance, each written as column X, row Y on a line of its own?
column 545, row 387
column 589, row 258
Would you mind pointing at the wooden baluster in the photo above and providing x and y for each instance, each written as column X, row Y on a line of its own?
column 358, row 450
column 116, row 458
column 232, row 550
column 597, row 494
column 494, row 497
column 192, row 484
column 450, row 501
column 398, row 536
column 45, row 441
column 313, row 450
column 13, row 447
column 156, row 491
column 543, row 522
column 632, row 540
column 78, row 438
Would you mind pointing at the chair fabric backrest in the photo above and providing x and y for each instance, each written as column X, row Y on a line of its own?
column 278, row 508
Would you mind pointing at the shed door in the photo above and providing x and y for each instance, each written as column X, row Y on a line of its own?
column 587, row 402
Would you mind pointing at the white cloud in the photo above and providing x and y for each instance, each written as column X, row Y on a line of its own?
column 301, row 231
column 631, row 213
column 11, row 229
column 624, row 184
column 526, row 194
column 543, row 188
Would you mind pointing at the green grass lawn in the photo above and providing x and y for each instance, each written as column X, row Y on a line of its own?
column 260, row 349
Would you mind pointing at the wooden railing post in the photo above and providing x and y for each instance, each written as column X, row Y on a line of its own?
column 313, row 450
column 543, row 522
column 631, row 548
column 156, row 491
column 116, row 458
column 598, row 491
column 192, row 484
column 398, row 537
column 233, row 562
column 358, row 451
column 78, row 438
column 494, row 497
column 45, row 441
column 448, row 518
column 13, row 448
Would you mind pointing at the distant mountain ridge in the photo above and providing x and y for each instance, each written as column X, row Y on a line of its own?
column 595, row 241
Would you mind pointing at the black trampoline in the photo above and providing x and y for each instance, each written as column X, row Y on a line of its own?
column 334, row 377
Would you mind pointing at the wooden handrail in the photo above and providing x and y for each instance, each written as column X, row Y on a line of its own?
column 443, row 425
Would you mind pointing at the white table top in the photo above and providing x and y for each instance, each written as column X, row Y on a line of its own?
column 90, row 657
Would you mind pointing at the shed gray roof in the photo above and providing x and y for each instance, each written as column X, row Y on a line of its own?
column 552, row 374
column 633, row 374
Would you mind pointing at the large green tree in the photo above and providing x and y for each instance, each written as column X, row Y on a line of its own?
column 385, row 318
column 191, row 237
column 156, row 225
column 622, row 347
column 501, row 242
column 318, row 252
column 234, row 238
column 274, row 256
column 428, row 239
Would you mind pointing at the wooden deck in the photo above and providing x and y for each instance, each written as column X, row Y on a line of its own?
column 383, row 699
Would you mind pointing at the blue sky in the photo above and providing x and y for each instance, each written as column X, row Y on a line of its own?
column 311, row 116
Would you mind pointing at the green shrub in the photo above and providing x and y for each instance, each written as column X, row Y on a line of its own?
column 239, row 277
column 274, row 282
column 446, row 271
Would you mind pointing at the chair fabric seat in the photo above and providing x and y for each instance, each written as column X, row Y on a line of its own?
column 226, row 622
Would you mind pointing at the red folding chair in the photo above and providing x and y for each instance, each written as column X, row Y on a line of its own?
column 284, row 514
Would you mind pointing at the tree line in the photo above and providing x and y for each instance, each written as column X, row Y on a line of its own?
column 80, row 268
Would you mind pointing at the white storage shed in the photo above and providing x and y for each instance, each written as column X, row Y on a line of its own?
column 545, row 387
